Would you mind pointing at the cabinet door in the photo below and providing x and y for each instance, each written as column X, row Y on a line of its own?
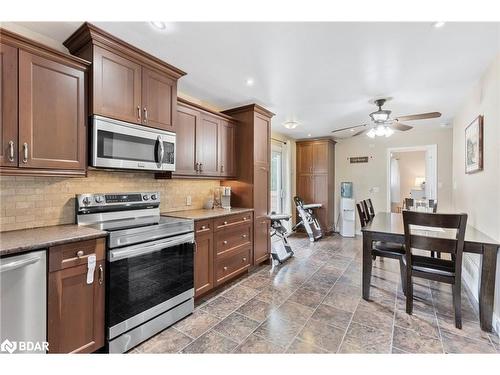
column 8, row 106
column 320, row 157
column 305, row 188
column 76, row 310
column 159, row 100
column 227, row 149
column 262, row 133
column 116, row 87
column 261, row 190
column 304, row 158
column 52, row 128
column 203, row 264
column 187, row 123
column 207, row 138
column 261, row 239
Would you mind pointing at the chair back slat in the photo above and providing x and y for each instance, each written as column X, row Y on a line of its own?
column 366, row 210
column 445, row 245
column 361, row 213
column 371, row 210
column 451, row 221
column 409, row 202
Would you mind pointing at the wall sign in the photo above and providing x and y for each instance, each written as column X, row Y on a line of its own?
column 358, row 159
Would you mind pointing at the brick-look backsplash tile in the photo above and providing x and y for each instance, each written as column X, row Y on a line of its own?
column 28, row 202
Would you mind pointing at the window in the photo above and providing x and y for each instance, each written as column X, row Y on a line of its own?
column 277, row 178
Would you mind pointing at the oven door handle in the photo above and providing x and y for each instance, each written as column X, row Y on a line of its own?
column 142, row 249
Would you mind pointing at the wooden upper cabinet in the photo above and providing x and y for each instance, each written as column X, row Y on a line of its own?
column 116, row 86
column 262, row 131
column 227, row 149
column 52, row 129
column 8, row 106
column 207, row 138
column 262, row 190
column 320, row 157
column 128, row 83
column 187, row 122
column 159, row 94
column 304, row 158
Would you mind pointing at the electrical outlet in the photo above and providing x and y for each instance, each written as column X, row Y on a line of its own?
column 188, row 200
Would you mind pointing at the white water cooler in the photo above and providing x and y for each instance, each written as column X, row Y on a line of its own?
column 347, row 217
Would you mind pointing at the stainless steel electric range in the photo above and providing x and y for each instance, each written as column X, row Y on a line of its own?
column 149, row 274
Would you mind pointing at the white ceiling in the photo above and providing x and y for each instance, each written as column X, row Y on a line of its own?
column 322, row 75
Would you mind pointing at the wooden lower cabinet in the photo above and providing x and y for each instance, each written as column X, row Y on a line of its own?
column 224, row 250
column 76, row 308
column 261, row 240
column 203, row 263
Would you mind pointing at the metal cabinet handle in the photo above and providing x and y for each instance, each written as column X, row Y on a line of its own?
column 201, row 169
column 11, row 150
column 25, row 150
column 244, row 259
column 139, row 112
column 243, row 236
column 79, row 253
column 195, row 246
column 224, row 242
column 225, row 268
column 101, row 274
column 145, row 114
column 203, row 227
column 225, row 223
column 221, row 169
column 245, row 218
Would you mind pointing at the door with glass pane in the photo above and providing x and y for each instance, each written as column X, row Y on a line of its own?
column 277, row 185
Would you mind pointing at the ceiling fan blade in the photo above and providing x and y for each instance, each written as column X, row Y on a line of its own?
column 420, row 116
column 402, row 127
column 350, row 127
column 360, row 132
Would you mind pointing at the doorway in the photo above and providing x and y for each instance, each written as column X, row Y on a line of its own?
column 412, row 173
column 278, row 186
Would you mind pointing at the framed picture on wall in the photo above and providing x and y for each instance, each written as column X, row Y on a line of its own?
column 474, row 146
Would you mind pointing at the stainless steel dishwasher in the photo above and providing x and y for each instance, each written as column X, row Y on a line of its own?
column 23, row 302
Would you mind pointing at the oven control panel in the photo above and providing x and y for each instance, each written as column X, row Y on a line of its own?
column 113, row 199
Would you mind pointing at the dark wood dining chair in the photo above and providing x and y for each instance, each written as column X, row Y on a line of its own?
column 433, row 204
column 367, row 211
column 384, row 249
column 409, row 202
column 371, row 210
column 441, row 270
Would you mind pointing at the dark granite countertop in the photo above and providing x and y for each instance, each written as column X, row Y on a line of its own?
column 202, row 214
column 18, row 241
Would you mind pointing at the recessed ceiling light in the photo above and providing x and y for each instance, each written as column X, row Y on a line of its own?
column 290, row 124
column 160, row 25
column 439, row 24
column 352, row 130
column 309, row 135
column 249, row 82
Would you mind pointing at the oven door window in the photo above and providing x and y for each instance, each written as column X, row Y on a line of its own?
column 141, row 282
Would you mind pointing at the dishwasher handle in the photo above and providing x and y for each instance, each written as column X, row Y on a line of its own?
column 18, row 264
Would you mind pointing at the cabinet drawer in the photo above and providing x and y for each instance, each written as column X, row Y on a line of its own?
column 227, row 240
column 232, row 265
column 203, row 226
column 232, row 220
column 75, row 253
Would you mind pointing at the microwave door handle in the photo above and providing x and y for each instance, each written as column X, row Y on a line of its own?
column 161, row 150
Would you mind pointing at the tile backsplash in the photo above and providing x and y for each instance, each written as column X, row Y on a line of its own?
column 27, row 202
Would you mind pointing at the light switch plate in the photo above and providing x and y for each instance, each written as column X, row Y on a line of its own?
column 188, row 200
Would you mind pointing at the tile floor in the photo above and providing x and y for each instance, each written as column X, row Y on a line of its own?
column 312, row 304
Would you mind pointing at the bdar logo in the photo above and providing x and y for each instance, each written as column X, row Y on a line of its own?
column 8, row 346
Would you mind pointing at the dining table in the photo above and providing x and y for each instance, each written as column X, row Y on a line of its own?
column 388, row 227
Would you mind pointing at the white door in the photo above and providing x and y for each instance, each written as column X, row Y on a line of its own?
column 277, row 180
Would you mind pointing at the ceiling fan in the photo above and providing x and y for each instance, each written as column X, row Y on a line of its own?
column 383, row 125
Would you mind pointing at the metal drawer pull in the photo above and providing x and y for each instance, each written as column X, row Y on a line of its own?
column 11, row 150
column 25, row 149
column 244, row 236
column 244, row 259
column 203, row 227
column 245, row 218
column 225, row 223
column 101, row 274
column 139, row 112
column 145, row 114
column 224, row 242
column 79, row 253
column 225, row 268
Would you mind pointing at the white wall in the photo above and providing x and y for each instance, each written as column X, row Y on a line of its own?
column 478, row 194
column 369, row 177
column 411, row 166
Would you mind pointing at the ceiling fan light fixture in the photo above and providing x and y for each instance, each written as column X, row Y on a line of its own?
column 290, row 124
column 380, row 130
column 371, row 133
column 381, row 115
column 388, row 132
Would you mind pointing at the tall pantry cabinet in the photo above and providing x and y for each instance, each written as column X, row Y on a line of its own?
column 316, row 177
column 252, row 188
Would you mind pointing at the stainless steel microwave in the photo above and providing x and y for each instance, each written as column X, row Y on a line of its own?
column 121, row 145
